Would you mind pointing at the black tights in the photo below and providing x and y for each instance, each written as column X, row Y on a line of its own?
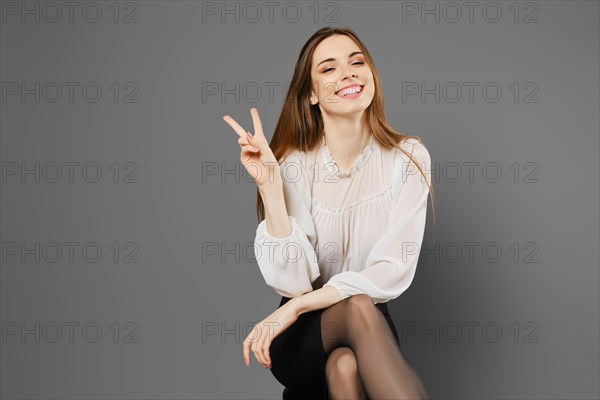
column 364, row 359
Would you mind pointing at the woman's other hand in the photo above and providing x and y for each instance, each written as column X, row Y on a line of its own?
column 263, row 333
column 256, row 155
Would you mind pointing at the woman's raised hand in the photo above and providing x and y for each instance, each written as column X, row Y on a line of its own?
column 256, row 155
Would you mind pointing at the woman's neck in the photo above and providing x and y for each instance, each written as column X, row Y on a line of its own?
column 346, row 142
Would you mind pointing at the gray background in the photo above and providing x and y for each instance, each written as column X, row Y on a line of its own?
column 179, row 289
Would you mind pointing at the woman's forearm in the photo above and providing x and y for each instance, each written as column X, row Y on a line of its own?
column 278, row 222
column 316, row 300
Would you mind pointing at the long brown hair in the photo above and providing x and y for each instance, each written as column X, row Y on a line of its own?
column 300, row 124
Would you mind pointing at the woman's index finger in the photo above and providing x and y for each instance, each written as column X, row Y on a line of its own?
column 236, row 127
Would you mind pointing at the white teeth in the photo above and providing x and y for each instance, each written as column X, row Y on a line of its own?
column 351, row 90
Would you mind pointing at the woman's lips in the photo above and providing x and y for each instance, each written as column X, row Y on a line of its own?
column 353, row 95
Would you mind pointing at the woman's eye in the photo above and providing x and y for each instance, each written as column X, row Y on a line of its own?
column 356, row 62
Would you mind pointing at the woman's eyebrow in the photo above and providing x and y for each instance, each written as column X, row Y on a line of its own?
column 333, row 59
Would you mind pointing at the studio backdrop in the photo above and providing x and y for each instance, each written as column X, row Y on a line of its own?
column 128, row 268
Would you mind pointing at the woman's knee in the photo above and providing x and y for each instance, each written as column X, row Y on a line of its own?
column 363, row 312
column 361, row 300
column 341, row 364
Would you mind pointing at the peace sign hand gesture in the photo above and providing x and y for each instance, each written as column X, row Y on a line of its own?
column 256, row 155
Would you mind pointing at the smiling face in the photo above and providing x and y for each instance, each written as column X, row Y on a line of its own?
column 342, row 80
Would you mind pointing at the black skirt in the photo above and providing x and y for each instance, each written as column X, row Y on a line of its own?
column 298, row 357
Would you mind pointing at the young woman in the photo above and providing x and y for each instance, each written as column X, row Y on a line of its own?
column 341, row 203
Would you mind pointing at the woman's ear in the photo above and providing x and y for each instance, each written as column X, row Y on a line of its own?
column 314, row 99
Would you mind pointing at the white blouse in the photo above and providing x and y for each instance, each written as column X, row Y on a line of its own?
column 359, row 230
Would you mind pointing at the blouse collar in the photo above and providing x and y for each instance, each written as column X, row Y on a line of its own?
column 359, row 162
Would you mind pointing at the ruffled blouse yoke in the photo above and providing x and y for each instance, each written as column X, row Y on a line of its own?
column 359, row 231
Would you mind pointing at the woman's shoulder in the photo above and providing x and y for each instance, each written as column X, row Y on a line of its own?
column 294, row 169
column 416, row 148
column 293, row 155
column 295, row 159
column 404, row 167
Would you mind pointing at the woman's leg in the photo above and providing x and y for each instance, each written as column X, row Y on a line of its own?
column 355, row 322
column 343, row 379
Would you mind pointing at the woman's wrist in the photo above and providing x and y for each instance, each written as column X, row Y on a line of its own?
column 270, row 189
column 316, row 300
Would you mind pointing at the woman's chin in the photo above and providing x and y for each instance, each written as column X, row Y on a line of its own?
column 348, row 109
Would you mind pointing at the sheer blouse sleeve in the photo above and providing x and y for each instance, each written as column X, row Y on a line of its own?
column 392, row 261
column 289, row 265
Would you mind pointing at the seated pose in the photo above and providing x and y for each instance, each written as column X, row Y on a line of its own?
column 341, row 203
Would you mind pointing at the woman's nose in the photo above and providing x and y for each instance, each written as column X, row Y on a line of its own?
column 348, row 72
